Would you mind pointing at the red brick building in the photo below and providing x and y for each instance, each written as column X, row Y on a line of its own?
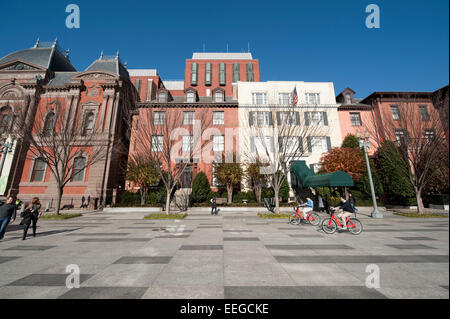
column 207, row 91
column 42, row 78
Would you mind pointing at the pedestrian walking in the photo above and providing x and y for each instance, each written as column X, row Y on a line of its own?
column 213, row 206
column 30, row 216
column 83, row 199
column 7, row 215
column 352, row 201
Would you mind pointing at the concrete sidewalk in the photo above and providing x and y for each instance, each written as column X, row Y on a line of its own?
column 232, row 255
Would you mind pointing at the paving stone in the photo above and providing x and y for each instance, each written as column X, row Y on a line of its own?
column 5, row 259
column 106, row 240
column 47, row 280
column 201, row 247
column 305, row 236
column 308, row 247
column 98, row 234
column 364, row 259
column 105, row 293
column 418, row 246
column 34, row 247
column 241, row 239
column 415, row 238
column 144, row 260
column 184, row 292
column 267, row 292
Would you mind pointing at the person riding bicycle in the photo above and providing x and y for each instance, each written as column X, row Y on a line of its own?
column 308, row 207
column 347, row 211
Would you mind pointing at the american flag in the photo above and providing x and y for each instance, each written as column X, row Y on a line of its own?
column 294, row 97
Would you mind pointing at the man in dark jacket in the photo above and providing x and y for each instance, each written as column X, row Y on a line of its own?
column 7, row 215
column 347, row 211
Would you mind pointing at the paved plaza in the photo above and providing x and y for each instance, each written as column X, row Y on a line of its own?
column 233, row 255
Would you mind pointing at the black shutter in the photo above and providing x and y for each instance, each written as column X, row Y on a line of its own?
column 250, row 118
column 280, row 143
column 325, row 118
column 270, row 118
column 300, row 144
column 252, row 144
column 297, row 118
column 329, row 143
column 279, row 118
column 308, row 140
column 307, row 116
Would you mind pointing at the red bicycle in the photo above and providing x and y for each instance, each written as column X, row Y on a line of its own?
column 298, row 217
column 330, row 226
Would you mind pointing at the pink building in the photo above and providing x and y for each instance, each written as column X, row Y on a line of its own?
column 356, row 117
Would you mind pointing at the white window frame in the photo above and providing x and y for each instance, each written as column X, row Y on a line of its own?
column 190, row 97
column 316, row 118
column 157, row 143
column 319, row 144
column 187, row 143
column 282, row 98
column 396, row 114
column 187, row 118
column 218, row 143
column 352, row 122
column 218, row 120
column 312, row 98
column 159, row 118
column 259, row 98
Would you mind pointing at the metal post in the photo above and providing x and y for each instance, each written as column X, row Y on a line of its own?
column 375, row 213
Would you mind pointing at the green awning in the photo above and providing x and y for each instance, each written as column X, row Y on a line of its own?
column 308, row 179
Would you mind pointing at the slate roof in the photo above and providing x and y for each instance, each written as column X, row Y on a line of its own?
column 48, row 58
column 61, row 78
column 109, row 65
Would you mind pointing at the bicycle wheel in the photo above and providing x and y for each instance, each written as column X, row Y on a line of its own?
column 294, row 219
column 354, row 226
column 314, row 219
column 327, row 227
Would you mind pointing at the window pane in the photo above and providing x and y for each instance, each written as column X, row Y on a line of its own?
column 355, row 119
column 218, row 118
column 188, row 118
column 159, row 118
column 78, row 168
column 38, row 171
column 284, row 98
column 259, row 98
column 218, row 143
column 313, row 98
column 395, row 112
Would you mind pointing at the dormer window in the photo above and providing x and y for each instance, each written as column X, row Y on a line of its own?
column 163, row 95
column 218, row 96
column 191, row 95
column 348, row 98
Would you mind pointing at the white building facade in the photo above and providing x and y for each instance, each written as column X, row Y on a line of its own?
column 270, row 123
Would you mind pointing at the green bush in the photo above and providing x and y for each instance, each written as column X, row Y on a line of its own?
column 284, row 191
column 200, row 188
column 393, row 171
column 350, row 141
column 240, row 196
column 267, row 193
column 130, row 199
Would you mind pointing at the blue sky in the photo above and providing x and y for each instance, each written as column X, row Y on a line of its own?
column 321, row 40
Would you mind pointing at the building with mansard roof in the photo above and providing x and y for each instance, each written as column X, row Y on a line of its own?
column 41, row 81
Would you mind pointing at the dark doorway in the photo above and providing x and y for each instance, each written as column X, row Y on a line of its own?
column 186, row 177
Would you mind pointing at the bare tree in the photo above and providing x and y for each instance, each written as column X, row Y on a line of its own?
column 170, row 143
column 283, row 141
column 67, row 145
column 421, row 138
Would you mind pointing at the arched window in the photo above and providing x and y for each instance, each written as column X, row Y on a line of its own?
column 38, row 173
column 49, row 125
column 5, row 120
column 89, row 123
column 79, row 166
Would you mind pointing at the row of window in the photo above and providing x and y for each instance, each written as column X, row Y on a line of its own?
column 262, row 118
column 40, row 167
column 222, row 75
column 159, row 118
column 316, row 144
column 285, row 98
column 400, row 135
column 423, row 111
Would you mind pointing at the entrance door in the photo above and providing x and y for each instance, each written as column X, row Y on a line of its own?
column 186, row 177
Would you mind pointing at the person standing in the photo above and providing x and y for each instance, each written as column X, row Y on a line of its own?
column 7, row 215
column 213, row 206
column 31, row 215
column 321, row 205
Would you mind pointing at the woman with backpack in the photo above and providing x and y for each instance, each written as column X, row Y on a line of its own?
column 30, row 215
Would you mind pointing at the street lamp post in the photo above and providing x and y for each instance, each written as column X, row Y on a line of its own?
column 364, row 143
